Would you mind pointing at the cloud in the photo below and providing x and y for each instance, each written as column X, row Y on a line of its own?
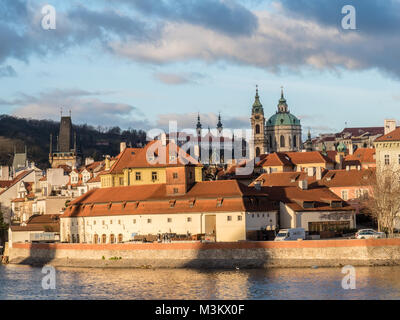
column 178, row 78
column 85, row 106
column 226, row 16
column 7, row 71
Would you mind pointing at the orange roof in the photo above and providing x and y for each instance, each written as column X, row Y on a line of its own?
column 295, row 197
column 139, row 157
column 94, row 179
column 152, row 199
column 330, row 178
column 363, row 155
column 275, row 159
column 17, row 179
column 391, row 136
column 308, row 157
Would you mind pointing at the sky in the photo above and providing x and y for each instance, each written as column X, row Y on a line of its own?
column 140, row 63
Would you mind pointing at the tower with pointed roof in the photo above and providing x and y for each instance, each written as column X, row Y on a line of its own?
column 198, row 125
column 219, row 124
column 283, row 129
column 258, row 127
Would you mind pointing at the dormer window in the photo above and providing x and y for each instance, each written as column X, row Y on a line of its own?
column 308, row 204
column 336, row 204
column 219, row 202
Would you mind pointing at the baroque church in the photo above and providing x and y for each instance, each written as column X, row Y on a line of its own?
column 280, row 133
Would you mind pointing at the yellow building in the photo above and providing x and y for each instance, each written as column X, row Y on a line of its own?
column 144, row 166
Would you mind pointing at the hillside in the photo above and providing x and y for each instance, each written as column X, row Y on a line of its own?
column 93, row 142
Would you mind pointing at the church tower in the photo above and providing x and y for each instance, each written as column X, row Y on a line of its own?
column 66, row 152
column 258, row 127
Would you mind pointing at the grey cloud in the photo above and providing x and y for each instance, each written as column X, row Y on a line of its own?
column 178, row 78
column 86, row 107
column 7, row 71
column 228, row 17
column 372, row 16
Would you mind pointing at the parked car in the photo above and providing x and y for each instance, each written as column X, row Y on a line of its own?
column 369, row 234
column 291, row 234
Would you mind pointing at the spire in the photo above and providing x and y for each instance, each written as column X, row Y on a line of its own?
column 309, row 134
column 219, row 125
column 198, row 125
column 257, row 106
column 282, row 105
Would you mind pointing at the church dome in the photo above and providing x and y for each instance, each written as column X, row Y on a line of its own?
column 283, row 119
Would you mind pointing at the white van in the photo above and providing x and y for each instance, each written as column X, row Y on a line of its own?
column 291, row 234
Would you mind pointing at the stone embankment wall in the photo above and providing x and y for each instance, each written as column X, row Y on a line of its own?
column 212, row 255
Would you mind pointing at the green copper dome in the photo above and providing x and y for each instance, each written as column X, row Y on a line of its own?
column 283, row 119
column 341, row 147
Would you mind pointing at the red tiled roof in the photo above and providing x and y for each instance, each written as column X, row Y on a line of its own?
column 152, row 199
column 308, row 157
column 363, row 155
column 391, row 136
column 17, row 179
column 40, row 223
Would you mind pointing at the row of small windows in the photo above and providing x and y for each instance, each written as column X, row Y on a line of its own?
column 387, row 159
column 111, row 239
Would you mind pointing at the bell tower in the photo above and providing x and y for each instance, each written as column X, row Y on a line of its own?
column 258, row 127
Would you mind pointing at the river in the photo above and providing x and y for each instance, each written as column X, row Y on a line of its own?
column 24, row 282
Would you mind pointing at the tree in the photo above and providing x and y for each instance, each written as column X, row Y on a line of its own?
column 384, row 203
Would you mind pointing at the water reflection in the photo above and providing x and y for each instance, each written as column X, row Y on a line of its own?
column 23, row 282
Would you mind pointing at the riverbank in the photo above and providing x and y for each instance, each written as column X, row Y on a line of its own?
column 265, row 254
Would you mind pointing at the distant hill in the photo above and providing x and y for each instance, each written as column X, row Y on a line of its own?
column 35, row 134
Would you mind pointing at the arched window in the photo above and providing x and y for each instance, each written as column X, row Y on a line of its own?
column 77, row 238
column 258, row 152
column 103, row 238
column 112, row 238
column 73, row 238
column 270, row 141
column 96, row 239
column 294, row 141
column 120, row 238
column 282, row 141
column 257, row 128
column 68, row 238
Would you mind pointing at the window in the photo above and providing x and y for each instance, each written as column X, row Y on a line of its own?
column 119, row 221
column 120, row 238
column 121, row 181
column 239, row 218
column 138, row 176
column 399, row 158
column 258, row 215
column 94, row 222
column 154, row 176
column 387, row 161
column 134, row 221
column 96, row 239
column 103, row 238
column 258, row 151
column 148, row 220
column 282, row 141
column 110, row 221
column 112, row 238
column 229, row 218
column 169, row 219
column 252, row 215
column 104, row 223
column 294, row 141
column 176, row 190
column 189, row 219
column 345, row 195
column 175, row 175
column 257, row 128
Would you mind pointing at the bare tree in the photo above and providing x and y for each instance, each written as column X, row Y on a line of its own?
column 384, row 203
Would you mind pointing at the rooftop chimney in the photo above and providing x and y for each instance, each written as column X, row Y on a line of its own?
column 122, row 146
column 303, row 185
column 390, row 125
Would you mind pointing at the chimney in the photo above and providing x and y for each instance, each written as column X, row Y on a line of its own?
column 303, row 185
column 122, row 146
column 390, row 125
column 318, row 174
column 107, row 163
column 339, row 161
column 163, row 139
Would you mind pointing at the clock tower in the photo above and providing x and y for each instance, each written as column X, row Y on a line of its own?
column 258, row 127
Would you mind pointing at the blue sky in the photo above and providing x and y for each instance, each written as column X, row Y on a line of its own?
column 140, row 63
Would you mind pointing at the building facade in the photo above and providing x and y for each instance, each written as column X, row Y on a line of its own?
column 280, row 133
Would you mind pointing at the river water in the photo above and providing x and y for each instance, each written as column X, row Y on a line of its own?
column 24, row 282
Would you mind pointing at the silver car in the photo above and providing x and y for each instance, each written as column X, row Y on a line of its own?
column 369, row 234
